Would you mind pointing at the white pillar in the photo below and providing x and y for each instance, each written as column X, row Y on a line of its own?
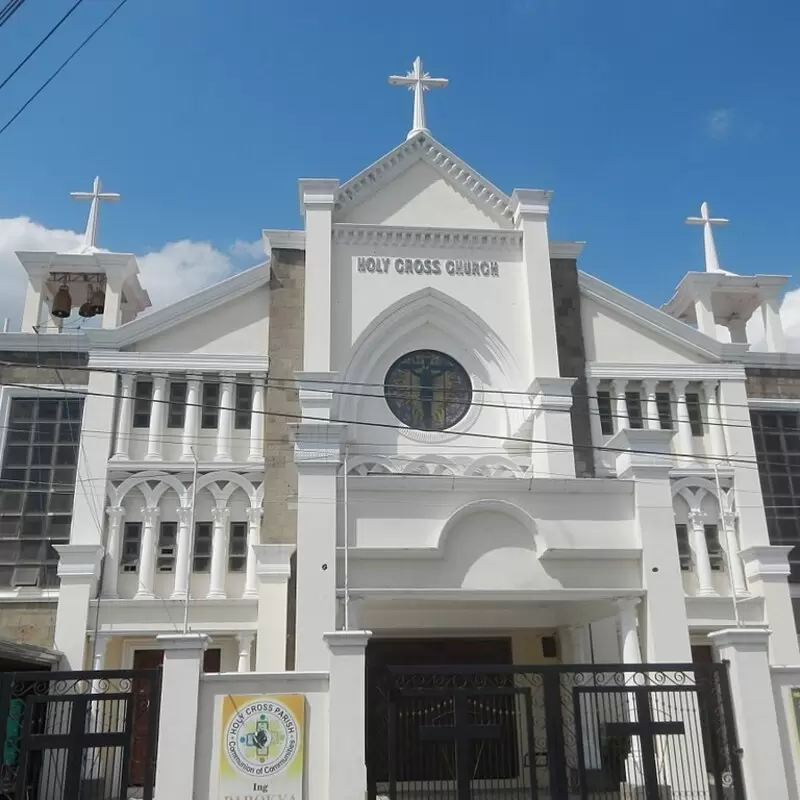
column 704, row 312
column 113, row 545
column 746, row 650
column 244, row 642
column 273, row 564
column 347, row 762
column 34, row 300
column 122, row 449
column 732, row 550
column 191, row 420
column 158, row 412
column 685, row 442
column 183, row 555
column 225, row 428
column 620, row 406
column 589, row 708
column 219, row 553
column 652, row 421
column 773, row 327
column 738, row 330
column 253, row 539
column 99, row 645
column 593, row 385
column 552, row 401
column 714, row 421
column 257, row 419
column 702, row 562
column 147, row 552
column 627, row 619
column 177, row 719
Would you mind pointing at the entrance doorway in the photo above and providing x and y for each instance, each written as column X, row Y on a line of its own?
column 143, row 660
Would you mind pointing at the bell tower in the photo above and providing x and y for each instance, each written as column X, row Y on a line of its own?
column 89, row 280
column 717, row 297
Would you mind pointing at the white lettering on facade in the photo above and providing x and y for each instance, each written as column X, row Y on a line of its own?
column 427, row 266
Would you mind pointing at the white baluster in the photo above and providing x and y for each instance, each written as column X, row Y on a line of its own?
column 257, row 419
column 253, row 538
column 702, row 562
column 735, row 569
column 685, row 441
column 158, row 413
column 652, row 421
column 147, row 553
column 116, row 514
column 245, row 643
column 219, row 553
column 620, row 406
column 225, row 427
column 191, row 421
column 714, row 421
column 122, row 449
column 592, row 385
column 183, row 556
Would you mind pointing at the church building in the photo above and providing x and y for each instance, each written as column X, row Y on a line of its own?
column 420, row 422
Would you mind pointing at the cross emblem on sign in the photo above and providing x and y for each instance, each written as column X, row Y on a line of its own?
column 646, row 729
column 462, row 733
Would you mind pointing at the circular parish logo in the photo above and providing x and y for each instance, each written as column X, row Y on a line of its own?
column 262, row 738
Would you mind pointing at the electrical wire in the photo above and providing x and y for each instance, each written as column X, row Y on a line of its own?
column 41, row 43
column 64, row 63
column 8, row 10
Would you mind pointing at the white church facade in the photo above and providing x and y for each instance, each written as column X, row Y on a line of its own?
column 421, row 420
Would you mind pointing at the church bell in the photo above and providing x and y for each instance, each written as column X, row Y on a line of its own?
column 97, row 299
column 62, row 303
column 87, row 309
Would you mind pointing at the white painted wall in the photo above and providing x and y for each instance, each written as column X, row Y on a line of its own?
column 421, row 197
column 239, row 326
column 610, row 338
column 315, row 688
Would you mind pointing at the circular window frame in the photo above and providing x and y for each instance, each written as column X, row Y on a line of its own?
column 464, row 422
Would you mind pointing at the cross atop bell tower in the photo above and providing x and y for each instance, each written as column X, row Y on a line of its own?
column 94, row 197
column 418, row 82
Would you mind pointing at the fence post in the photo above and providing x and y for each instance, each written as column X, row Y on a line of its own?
column 177, row 723
column 347, row 709
column 747, row 650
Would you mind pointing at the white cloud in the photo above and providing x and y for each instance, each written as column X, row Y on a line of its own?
column 790, row 317
column 175, row 271
column 719, row 123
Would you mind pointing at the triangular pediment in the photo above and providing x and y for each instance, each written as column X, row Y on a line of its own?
column 422, row 184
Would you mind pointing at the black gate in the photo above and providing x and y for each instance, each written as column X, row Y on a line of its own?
column 79, row 735
column 555, row 732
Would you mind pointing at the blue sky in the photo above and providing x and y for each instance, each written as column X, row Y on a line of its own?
column 204, row 114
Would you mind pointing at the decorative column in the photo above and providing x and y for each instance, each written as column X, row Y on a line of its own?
column 111, row 572
column 158, row 410
column 225, row 428
column 702, row 562
column 147, row 554
column 685, row 443
column 122, row 449
column 183, row 555
column 219, row 554
column 620, row 406
column 593, row 385
column 627, row 620
column 257, row 419
column 245, row 644
column 99, row 646
column 582, row 654
column 732, row 550
column 254, row 516
column 191, row 420
column 714, row 420
column 738, row 330
column 651, row 419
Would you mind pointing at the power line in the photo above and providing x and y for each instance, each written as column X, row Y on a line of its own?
column 64, row 63
column 8, row 10
column 42, row 41
column 387, row 426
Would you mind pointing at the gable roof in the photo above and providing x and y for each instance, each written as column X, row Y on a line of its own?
column 423, row 147
column 177, row 313
column 652, row 319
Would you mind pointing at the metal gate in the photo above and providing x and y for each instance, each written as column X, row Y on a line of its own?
column 595, row 732
column 79, row 735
